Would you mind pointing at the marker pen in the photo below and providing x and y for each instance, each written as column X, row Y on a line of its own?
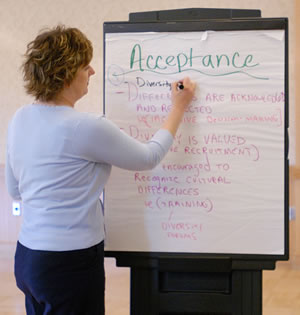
column 180, row 86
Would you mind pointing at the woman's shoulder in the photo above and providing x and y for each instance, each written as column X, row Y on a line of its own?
column 93, row 120
column 20, row 114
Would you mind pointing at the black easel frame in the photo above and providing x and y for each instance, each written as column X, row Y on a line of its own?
column 183, row 283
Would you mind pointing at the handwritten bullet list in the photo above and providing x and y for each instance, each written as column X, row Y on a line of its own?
column 180, row 186
column 233, row 126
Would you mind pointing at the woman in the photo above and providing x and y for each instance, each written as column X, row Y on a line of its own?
column 58, row 161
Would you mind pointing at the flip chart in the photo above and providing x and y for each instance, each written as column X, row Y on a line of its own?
column 220, row 189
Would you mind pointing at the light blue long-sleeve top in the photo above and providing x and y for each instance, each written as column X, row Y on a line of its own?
column 58, row 161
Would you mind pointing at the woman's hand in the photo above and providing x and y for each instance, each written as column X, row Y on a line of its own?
column 181, row 98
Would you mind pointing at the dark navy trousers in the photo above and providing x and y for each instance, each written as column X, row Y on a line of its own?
column 61, row 283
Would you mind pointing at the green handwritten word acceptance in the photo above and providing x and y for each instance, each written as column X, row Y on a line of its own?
column 235, row 62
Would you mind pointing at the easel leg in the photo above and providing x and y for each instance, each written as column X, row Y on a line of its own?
column 247, row 292
column 144, row 297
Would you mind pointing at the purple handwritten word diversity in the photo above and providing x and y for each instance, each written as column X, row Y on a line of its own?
column 182, row 230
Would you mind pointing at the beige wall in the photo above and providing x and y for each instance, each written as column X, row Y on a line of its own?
column 22, row 19
column 9, row 224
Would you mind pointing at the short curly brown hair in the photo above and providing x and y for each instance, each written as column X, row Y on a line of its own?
column 52, row 60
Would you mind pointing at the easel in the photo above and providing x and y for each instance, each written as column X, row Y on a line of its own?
column 191, row 286
column 185, row 284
